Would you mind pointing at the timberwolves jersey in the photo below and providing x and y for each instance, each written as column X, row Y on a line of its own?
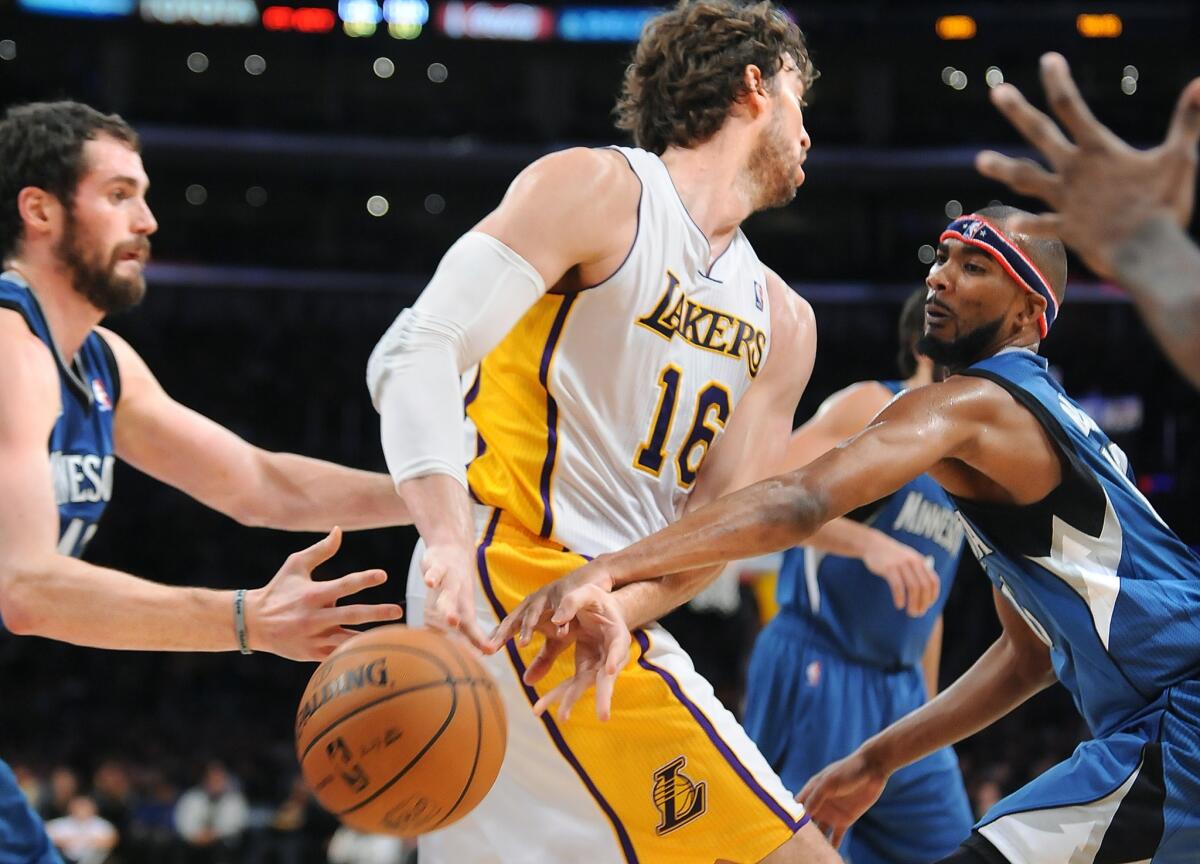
column 595, row 412
column 1091, row 567
column 81, row 443
column 851, row 607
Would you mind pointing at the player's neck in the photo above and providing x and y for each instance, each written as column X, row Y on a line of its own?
column 709, row 180
column 68, row 313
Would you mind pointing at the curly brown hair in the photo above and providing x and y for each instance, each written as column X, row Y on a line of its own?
column 688, row 68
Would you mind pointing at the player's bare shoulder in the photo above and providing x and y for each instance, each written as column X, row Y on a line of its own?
column 574, row 207
column 31, row 389
column 793, row 342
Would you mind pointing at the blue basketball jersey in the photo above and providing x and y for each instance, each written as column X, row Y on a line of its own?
column 81, row 443
column 848, row 605
column 1092, row 568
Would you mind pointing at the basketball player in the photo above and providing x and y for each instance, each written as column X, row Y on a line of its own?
column 626, row 355
column 842, row 660
column 75, row 228
column 1091, row 586
column 1124, row 211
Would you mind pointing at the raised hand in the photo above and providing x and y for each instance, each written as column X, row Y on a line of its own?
column 914, row 583
column 840, row 794
column 1102, row 189
column 298, row 618
column 449, row 573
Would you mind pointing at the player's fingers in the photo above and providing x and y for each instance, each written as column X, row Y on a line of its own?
column 1021, row 175
column 1041, row 225
column 580, row 683
column 606, row 678
column 1038, row 129
column 433, row 575
column 504, row 630
column 544, row 660
column 360, row 613
column 1062, row 94
column 330, row 592
column 896, row 584
column 534, row 609
column 569, row 605
column 319, row 552
column 550, row 698
column 1184, row 131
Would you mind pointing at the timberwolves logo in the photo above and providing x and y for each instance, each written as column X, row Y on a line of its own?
column 678, row 799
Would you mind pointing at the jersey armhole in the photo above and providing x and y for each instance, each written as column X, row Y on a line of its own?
column 111, row 360
column 20, row 310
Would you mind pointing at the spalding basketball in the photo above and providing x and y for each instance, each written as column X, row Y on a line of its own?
column 400, row 731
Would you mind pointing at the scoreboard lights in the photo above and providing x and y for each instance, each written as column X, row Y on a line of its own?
column 302, row 20
column 520, row 22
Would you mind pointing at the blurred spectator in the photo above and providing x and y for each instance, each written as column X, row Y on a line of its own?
column 113, row 793
column 83, row 836
column 29, row 783
column 152, row 832
column 212, row 817
column 58, row 794
column 353, row 847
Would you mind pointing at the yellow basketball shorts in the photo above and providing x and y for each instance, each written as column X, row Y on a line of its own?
column 670, row 778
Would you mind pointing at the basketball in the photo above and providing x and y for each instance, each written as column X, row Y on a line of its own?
column 400, row 731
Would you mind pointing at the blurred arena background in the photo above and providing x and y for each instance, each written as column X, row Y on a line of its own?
column 309, row 165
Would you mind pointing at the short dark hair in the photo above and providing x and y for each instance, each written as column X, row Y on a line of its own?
column 910, row 329
column 41, row 144
column 688, row 68
column 1048, row 253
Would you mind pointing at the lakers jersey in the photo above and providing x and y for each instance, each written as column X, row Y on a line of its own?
column 81, row 442
column 1095, row 572
column 593, row 416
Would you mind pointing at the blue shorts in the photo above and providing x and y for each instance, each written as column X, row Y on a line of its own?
column 808, row 706
column 23, row 838
column 1130, row 795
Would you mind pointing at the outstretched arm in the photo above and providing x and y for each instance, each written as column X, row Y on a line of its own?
column 1123, row 210
column 1015, row 667
column 184, row 449
column 48, row 594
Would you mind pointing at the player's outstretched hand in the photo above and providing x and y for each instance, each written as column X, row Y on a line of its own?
column 1102, row 189
column 914, row 583
column 591, row 618
column 449, row 573
column 840, row 794
column 534, row 613
column 298, row 618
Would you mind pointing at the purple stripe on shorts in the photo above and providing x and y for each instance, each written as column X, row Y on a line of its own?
column 532, row 696
column 730, row 756
column 551, row 413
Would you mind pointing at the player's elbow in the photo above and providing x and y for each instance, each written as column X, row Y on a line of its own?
column 793, row 510
column 18, row 600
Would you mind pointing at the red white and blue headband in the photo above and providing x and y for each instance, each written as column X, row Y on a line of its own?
column 975, row 230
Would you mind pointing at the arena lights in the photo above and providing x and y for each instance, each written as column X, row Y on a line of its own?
column 952, row 27
column 383, row 67
column 435, row 204
column 1105, row 26
column 437, row 73
column 254, row 64
column 603, row 23
column 206, row 13
column 306, row 19
column 1129, row 80
column 359, row 17
column 256, row 196
column 518, row 22
column 197, row 62
column 405, row 18
column 8, row 49
column 79, row 8
column 195, row 194
column 994, row 77
column 377, row 205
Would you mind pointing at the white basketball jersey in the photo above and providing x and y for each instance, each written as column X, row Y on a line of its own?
column 595, row 413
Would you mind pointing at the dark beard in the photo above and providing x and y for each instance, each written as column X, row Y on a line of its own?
column 964, row 350
column 98, row 282
column 772, row 176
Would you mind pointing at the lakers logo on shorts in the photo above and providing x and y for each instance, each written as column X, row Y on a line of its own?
column 679, row 800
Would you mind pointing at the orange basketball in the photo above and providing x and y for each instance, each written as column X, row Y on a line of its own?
column 400, row 731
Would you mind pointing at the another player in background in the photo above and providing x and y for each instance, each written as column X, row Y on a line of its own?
column 626, row 356
column 844, row 658
column 74, row 235
column 1091, row 587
